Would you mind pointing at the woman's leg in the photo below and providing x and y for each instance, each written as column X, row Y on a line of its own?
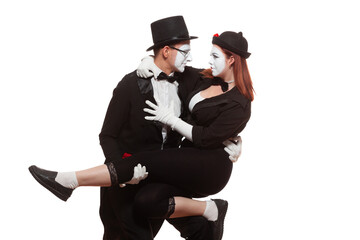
column 97, row 176
column 156, row 200
column 202, row 172
column 198, row 171
column 185, row 207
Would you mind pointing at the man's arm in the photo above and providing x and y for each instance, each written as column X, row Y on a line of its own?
column 233, row 147
column 116, row 116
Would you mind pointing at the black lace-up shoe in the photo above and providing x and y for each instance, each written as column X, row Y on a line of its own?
column 218, row 225
column 47, row 179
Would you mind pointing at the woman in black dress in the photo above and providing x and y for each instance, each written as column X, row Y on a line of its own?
column 220, row 109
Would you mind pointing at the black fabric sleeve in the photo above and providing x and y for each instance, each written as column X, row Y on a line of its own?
column 230, row 122
column 116, row 116
column 192, row 77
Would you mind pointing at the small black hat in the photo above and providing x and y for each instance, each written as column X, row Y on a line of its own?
column 232, row 41
column 169, row 30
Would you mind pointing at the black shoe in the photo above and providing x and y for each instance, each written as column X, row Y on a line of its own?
column 218, row 225
column 47, row 179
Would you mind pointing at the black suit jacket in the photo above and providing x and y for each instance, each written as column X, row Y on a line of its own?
column 125, row 128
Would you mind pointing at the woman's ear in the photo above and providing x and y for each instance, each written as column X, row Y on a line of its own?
column 231, row 60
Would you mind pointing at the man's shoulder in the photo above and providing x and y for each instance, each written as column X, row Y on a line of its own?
column 131, row 79
column 128, row 78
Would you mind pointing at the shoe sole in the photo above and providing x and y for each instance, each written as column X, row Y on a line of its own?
column 223, row 220
column 53, row 191
column 222, row 216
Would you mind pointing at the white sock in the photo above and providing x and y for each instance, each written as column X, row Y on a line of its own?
column 67, row 179
column 211, row 211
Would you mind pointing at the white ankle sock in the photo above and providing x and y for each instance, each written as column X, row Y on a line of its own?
column 211, row 211
column 67, row 179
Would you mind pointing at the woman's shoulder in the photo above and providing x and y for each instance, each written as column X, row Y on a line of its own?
column 237, row 97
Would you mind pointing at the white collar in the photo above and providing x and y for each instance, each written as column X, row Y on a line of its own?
column 157, row 71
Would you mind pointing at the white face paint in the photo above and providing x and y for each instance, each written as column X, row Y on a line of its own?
column 182, row 58
column 217, row 61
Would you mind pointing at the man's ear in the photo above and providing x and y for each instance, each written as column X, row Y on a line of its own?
column 165, row 51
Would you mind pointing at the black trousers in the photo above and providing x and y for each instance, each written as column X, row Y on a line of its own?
column 189, row 171
column 121, row 222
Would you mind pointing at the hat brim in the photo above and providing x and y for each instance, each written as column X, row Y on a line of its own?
column 170, row 41
column 221, row 43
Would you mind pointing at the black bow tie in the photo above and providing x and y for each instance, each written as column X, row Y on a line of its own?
column 170, row 79
column 218, row 81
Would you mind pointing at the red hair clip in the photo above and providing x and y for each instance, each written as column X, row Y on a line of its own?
column 216, row 35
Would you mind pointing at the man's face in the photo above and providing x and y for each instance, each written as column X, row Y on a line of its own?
column 182, row 56
column 217, row 61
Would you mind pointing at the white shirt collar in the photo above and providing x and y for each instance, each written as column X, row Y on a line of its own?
column 157, row 71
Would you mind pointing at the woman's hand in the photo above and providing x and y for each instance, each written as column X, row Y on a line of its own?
column 161, row 113
column 146, row 67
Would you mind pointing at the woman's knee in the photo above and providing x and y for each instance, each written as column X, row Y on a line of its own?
column 151, row 202
column 142, row 205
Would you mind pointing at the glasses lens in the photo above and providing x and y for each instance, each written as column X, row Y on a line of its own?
column 184, row 53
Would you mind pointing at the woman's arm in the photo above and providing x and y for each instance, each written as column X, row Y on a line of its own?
column 166, row 116
column 229, row 123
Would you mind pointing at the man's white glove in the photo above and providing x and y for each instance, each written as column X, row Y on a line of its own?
column 233, row 149
column 139, row 174
column 146, row 67
column 162, row 113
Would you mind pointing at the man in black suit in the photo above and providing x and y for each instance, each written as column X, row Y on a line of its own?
column 125, row 131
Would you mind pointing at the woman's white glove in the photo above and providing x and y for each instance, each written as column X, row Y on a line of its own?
column 146, row 67
column 140, row 173
column 162, row 113
column 233, row 149
column 166, row 116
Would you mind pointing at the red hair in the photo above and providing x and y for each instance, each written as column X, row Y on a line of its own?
column 241, row 74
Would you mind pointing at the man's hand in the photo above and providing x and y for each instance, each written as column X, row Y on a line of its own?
column 146, row 67
column 139, row 174
column 233, row 149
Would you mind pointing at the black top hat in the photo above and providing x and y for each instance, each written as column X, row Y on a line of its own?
column 169, row 30
column 232, row 41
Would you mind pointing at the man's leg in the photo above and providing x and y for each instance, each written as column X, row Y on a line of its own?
column 118, row 217
column 156, row 224
column 152, row 201
column 112, row 227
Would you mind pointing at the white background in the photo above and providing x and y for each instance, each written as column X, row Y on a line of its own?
column 298, row 177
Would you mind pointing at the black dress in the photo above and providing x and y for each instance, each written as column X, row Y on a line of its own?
column 201, row 167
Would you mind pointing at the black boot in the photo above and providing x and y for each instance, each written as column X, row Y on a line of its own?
column 218, row 225
column 47, row 179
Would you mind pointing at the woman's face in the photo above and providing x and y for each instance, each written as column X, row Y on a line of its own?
column 217, row 61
